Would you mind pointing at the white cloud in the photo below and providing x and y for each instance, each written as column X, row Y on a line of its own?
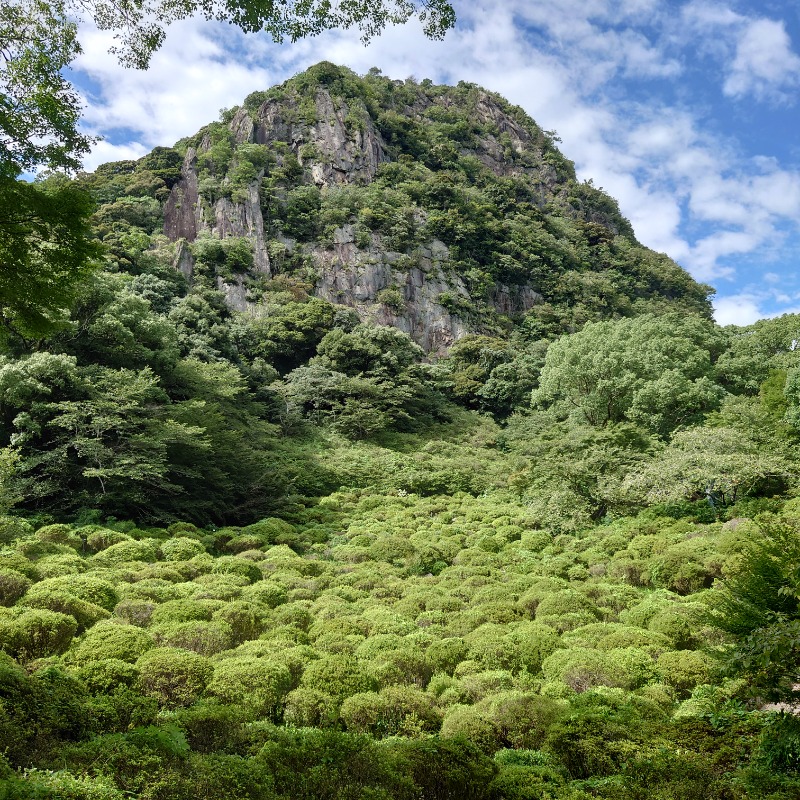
column 764, row 65
column 190, row 79
column 739, row 309
column 757, row 301
column 709, row 17
column 104, row 151
column 755, row 53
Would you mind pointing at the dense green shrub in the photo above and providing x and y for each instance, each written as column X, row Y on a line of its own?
column 259, row 685
column 36, row 633
column 112, row 640
column 13, row 585
column 12, row 528
column 106, row 675
column 172, row 676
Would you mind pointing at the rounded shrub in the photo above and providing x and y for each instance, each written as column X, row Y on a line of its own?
column 272, row 531
column 532, row 643
column 686, row 669
column 99, row 538
column 310, row 708
column 674, row 627
column 111, row 639
column 265, row 593
column 470, row 723
column 395, row 711
column 246, row 620
column 181, row 548
column 365, row 712
column 339, row 676
column 256, row 683
column 147, row 550
column 86, row 614
column 205, row 638
column 60, row 534
column 523, row 718
column 237, row 566
column 174, row 677
column 135, row 612
column 60, row 564
column 13, row 585
column 565, row 601
column 444, row 655
column 106, row 675
column 478, row 685
column 86, row 587
column 37, row 633
column 181, row 611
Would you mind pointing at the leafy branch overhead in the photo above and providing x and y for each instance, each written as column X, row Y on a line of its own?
column 140, row 26
column 39, row 109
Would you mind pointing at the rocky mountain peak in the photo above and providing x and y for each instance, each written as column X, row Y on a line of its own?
column 439, row 210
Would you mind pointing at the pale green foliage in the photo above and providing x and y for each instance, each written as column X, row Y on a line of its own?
column 656, row 371
column 181, row 548
column 521, row 717
column 469, row 722
column 445, row 577
column 338, row 676
column 583, row 668
column 310, row 708
column 393, row 711
column 112, row 640
column 105, row 675
column 174, row 677
column 756, row 350
column 199, row 636
column 14, row 528
column 9, row 497
column 13, row 585
column 721, row 461
column 258, row 683
column 85, row 613
column 686, row 669
column 86, row 587
column 129, row 550
column 36, row 633
column 66, row 786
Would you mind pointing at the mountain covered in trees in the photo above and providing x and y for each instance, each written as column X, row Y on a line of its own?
column 372, row 457
column 438, row 210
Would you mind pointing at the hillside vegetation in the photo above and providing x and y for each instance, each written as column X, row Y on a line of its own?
column 375, row 460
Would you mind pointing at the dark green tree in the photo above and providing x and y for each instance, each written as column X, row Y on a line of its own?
column 45, row 253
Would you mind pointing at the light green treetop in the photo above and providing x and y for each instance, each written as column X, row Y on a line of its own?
column 656, row 371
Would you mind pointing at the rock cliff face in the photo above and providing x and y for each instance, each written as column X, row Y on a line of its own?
column 294, row 170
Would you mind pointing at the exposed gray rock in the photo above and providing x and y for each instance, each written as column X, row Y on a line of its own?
column 340, row 151
column 235, row 293
column 356, row 278
column 184, row 262
column 513, row 300
column 182, row 212
column 339, row 144
column 243, row 219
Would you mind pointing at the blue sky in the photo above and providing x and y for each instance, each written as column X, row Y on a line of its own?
column 685, row 112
